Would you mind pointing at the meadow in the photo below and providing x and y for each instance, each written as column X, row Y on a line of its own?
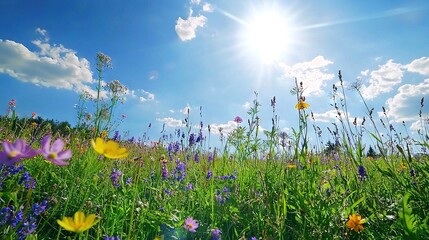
column 89, row 182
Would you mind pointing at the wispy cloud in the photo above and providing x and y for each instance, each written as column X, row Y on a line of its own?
column 313, row 74
column 383, row 80
column 247, row 105
column 186, row 28
column 51, row 66
column 142, row 95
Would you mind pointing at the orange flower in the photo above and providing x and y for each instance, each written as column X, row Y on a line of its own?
column 355, row 222
column 301, row 105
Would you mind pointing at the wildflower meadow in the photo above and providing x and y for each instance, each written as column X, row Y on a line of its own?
column 88, row 182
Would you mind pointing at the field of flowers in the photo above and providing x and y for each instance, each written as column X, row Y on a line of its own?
column 88, row 182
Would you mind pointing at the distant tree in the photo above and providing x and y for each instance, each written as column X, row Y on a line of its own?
column 371, row 152
column 330, row 147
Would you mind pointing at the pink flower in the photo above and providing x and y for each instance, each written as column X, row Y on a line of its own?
column 191, row 224
column 238, row 120
column 14, row 152
column 54, row 153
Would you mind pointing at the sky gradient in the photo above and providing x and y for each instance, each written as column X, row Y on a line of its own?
column 213, row 55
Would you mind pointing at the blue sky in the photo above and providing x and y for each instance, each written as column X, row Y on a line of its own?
column 174, row 55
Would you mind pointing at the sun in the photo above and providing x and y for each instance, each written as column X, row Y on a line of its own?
column 267, row 34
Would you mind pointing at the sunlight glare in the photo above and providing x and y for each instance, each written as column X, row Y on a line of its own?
column 267, row 35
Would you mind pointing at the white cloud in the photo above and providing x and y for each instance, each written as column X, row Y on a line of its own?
column 405, row 105
column 141, row 94
column 226, row 128
column 420, row 66
column 186, row 29
column 186, row 110
column 146, row 96
column 153, row 75
column 196, row 2
column 171, row 110
column 312, row 74
column 43, row 33
column 247, row 105
column 364, row 73
column 332, row 116
column 51, row 66
column 207, row 7
column 171, row 122
column 383, row 80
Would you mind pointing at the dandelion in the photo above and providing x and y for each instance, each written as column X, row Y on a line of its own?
column 355, row 222
column 301, row 105
column 55, row 153
column 79, row 223
column 191, row 224
column 109, row 149
column 14, row 152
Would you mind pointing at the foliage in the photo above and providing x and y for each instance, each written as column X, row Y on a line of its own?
column 275, row 185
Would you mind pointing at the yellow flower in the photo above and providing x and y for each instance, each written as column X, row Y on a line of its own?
column 355, row 222
column 301, row 105
column 291, row 166
column 79, row 223
column 109, row 149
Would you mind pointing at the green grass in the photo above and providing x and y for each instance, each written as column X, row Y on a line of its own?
column 258, row 187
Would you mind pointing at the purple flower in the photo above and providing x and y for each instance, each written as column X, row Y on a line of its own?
column 28, row 181
column 216, row 234
column 238, row 120
column 55, row 153
column 106, row 237
column 128, row 182
column 191, row 139
column 14, row 152
column 191, row 224
column 164, row 173
column 209, row 174
column 115, row 175
column 362, row 173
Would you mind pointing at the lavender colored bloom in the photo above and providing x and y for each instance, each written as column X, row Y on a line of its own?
column 17, row 217
column 5, row 215
column 196, row 158
column 116, row 137
column 55, row 153
column 114, row 176
column 14, row 152
column 253, row 238
column 128, row 182
column 362, row 173
column 167, row 191
column 191, row 224
column 412, row 173
column 216, row 234
column 28, row 181
column 106, row 237
column 190, row 186
column 164, row 173
column 191, row 139
column 210, row 158
column 209, row 174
